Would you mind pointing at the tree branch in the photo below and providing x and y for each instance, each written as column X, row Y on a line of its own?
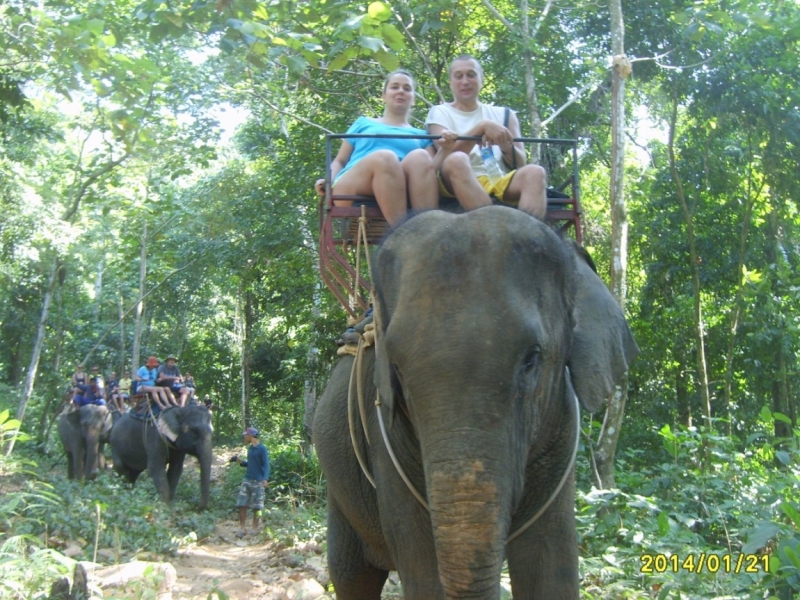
column 542, row 17
column 293, row 115
column 592, row 85
column 422, row 55
column 98, row 173
column 497, row 14
column 135, row 304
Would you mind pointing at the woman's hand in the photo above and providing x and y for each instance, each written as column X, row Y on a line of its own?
column 320, row 187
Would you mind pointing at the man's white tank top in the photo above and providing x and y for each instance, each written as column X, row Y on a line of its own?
column 461, row 122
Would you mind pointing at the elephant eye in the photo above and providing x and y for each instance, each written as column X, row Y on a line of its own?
column 531, row 358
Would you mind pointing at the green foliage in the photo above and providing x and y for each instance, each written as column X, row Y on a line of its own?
column 744, row 505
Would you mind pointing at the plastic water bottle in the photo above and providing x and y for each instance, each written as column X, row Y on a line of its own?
column 493, row 169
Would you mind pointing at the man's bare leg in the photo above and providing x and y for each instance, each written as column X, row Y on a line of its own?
column 458, row 177
column 528, row 187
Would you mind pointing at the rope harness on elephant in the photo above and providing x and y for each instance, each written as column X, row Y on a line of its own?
column 366, row 340
column 159, row 425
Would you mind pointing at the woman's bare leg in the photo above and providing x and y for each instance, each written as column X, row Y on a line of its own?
column 421, row 181
column 378, row 174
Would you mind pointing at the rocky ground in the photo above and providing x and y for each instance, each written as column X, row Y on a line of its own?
column 252, row 568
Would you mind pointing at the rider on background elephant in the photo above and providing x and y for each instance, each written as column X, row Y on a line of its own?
column 137, row 445
column 486, row 324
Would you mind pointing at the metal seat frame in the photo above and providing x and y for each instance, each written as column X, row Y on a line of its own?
column 339, row 225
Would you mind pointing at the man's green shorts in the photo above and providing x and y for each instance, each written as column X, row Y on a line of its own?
column 251, row 495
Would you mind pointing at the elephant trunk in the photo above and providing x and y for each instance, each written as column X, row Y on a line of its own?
column 92, row 455
column 205, row 457
column 469, row 513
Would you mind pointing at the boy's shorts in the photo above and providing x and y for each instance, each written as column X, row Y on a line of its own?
column 251, row 495
column 497, row 190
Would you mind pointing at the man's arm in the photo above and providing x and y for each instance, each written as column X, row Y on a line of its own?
column 265, row 467
column 514, row 153
column 490, row 132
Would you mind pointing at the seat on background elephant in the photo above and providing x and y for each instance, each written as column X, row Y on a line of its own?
column 486, row 324
column 84, row 433
column 137, row 445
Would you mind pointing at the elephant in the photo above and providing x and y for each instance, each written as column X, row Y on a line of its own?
column 137, row 445
column 488, row 330
column 84, row 433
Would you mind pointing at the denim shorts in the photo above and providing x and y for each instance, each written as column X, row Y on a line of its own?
column 251, row 495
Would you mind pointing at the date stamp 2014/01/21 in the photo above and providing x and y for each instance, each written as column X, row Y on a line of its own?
column 708, row 563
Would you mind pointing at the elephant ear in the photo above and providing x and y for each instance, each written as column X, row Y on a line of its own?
column 73, row 418
column 602, row 343
column 385, row 276
column 172, row 418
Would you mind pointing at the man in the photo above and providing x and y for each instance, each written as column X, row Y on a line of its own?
column 88, row 393
column 463, row 173
column 169, row 377
column 256, row 478
column 97, row 377
column 124, row 390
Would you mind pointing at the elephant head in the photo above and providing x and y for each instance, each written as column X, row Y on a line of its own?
column 83, row 433
column 478, row 316
column 192, row 424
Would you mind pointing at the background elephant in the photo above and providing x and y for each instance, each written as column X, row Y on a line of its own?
column 136, row 445
column 84, row 433
column 486, row 323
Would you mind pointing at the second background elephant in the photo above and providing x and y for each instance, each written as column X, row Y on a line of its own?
column 137, row 445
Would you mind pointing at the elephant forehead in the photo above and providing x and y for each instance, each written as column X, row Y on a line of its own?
column 479, row 254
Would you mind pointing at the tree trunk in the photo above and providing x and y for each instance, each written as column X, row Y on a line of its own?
column 137, row 322
column 43, row 427
column 780, row 390
column 612, row 423
column 530, row 84
column 702, row 369
column 98, row 290
column 121, row 312
column 33, row 367
column 738, row 301
column 682, row 391
column 247, row 354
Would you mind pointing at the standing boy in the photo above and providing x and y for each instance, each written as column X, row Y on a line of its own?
column 256, row 478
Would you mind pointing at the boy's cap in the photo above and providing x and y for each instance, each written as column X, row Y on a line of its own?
column 251, row 431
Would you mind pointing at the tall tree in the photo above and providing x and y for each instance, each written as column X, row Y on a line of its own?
column 612, row 424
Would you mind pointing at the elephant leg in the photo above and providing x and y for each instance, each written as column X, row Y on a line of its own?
column 411, row 535
column 543, row 561
column 131, row 475
column 70, row 465
column 354, row 578
column 174, row 472
column 79, row 462
column 157, row 457
column 101, row 457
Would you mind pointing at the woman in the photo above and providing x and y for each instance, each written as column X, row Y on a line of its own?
column 146, row 383
column 78, row 379
column 392, row 170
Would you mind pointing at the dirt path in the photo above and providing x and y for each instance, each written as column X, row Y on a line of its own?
column 250, row 568
column 255, row 567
